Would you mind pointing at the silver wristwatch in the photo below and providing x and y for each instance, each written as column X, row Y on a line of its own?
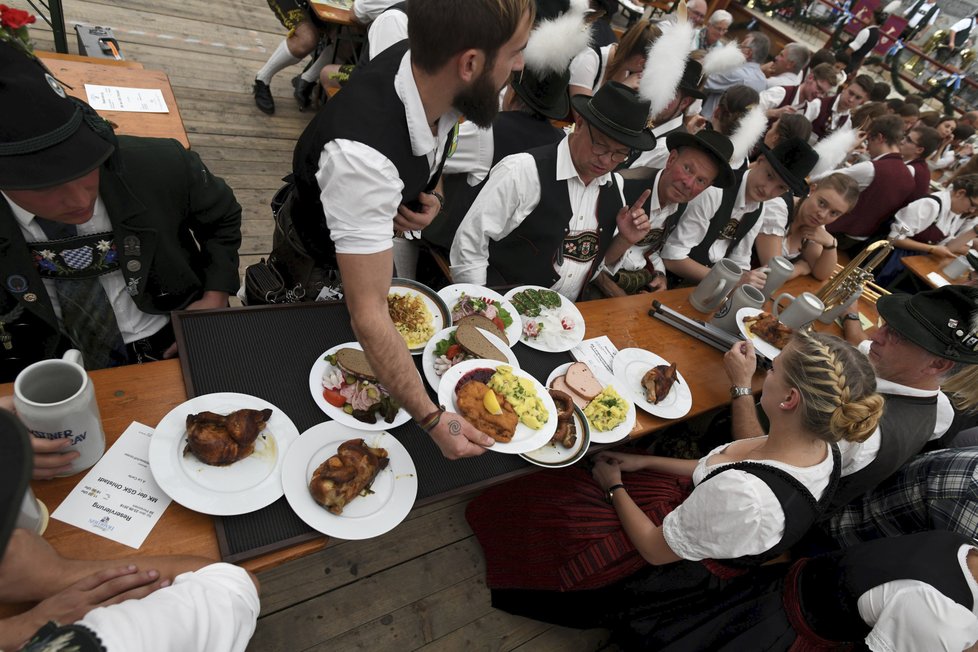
column 736, row 392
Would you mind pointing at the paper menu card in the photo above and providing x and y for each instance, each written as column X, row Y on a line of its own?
column 598, row 353
column 937, row 279
column 118, row 498
column 120, row 98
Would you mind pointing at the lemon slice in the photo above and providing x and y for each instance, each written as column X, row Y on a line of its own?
column 491, row 404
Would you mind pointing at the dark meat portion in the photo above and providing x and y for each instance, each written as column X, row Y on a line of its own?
column 346, row 475
column 220, row 440
column 566, row 433
column 658, row 381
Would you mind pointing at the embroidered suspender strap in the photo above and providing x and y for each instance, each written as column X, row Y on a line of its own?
column 746, row 223
column 701, row 252
column 77, row 257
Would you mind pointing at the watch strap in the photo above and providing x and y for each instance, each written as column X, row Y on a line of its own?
column 610, row 493
column 737, row 392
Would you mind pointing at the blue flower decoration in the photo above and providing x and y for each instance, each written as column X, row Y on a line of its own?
column 111, row 255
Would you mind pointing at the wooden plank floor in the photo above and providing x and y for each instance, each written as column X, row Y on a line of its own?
column 421, row 586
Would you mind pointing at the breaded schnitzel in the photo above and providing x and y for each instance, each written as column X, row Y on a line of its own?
column 500, row 427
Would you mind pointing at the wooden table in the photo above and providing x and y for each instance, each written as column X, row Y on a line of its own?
column 925, row 264
column 145, row 393
column 332, row 14
column 75, row 74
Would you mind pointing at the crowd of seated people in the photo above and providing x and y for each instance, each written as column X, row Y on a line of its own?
column 498, row 137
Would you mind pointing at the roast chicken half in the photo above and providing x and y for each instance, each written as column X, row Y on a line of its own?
column 220, row 440
column 346, row 475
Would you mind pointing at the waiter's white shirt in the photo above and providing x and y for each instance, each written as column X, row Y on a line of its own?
column 695, row 221
column 634, row 257
column 134, row 324
column 910, row 615
column 360, row 188
column 473, row 153
column 859, row 40
column 511, row 193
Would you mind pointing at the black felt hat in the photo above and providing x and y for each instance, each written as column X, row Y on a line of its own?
column 711, row 142
column 46, row 137
column 619, row 113
column 544, row 92
column 793, row 160
column 942, row 321
column 690, row 83
column 16, row 464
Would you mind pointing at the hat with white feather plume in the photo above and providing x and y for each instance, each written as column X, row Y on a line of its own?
column 749, row 130
column 834, row 148
column 665, row 65
column 724, row 58
column 552, row 45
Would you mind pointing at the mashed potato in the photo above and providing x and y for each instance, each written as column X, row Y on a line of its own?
column 522, row 395
column 607, row 410
column 412, row 318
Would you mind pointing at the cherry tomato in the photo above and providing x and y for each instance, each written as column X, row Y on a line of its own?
column 500, row 324
column 452, row 351
column 333, row 397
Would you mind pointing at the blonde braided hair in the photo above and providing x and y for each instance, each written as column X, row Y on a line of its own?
column 837, row 385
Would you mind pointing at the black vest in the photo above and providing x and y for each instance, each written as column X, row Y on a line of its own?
column 830, row 586
column 866, row 48
column 800, row 508
column 721, row 222
column 528, row 254
column 906, row 426
column 368, row 111
column 656, row 237
column 512, row 132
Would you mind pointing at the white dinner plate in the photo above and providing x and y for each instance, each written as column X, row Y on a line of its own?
column 554, row 455
column 620, row 431
column 525, row 438
column 452, row 293
column 321, row 366
column 631, row 365
column 551, row 340
column 766, row 349
column 440, row 316
column 428, row 357
column 387, row 503
column 239, row 488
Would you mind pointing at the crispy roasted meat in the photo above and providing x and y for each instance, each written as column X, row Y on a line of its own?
column 220, row 440
column 500, row 427
column 657, row 382
column 346, row 475
column 765, row 326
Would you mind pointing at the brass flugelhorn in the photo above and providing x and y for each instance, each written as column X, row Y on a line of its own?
column 858, row 275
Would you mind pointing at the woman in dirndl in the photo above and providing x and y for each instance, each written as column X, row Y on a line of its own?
column 648, row 534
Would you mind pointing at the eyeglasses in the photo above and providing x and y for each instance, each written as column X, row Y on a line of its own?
column 617, row 155
column 910, row 141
